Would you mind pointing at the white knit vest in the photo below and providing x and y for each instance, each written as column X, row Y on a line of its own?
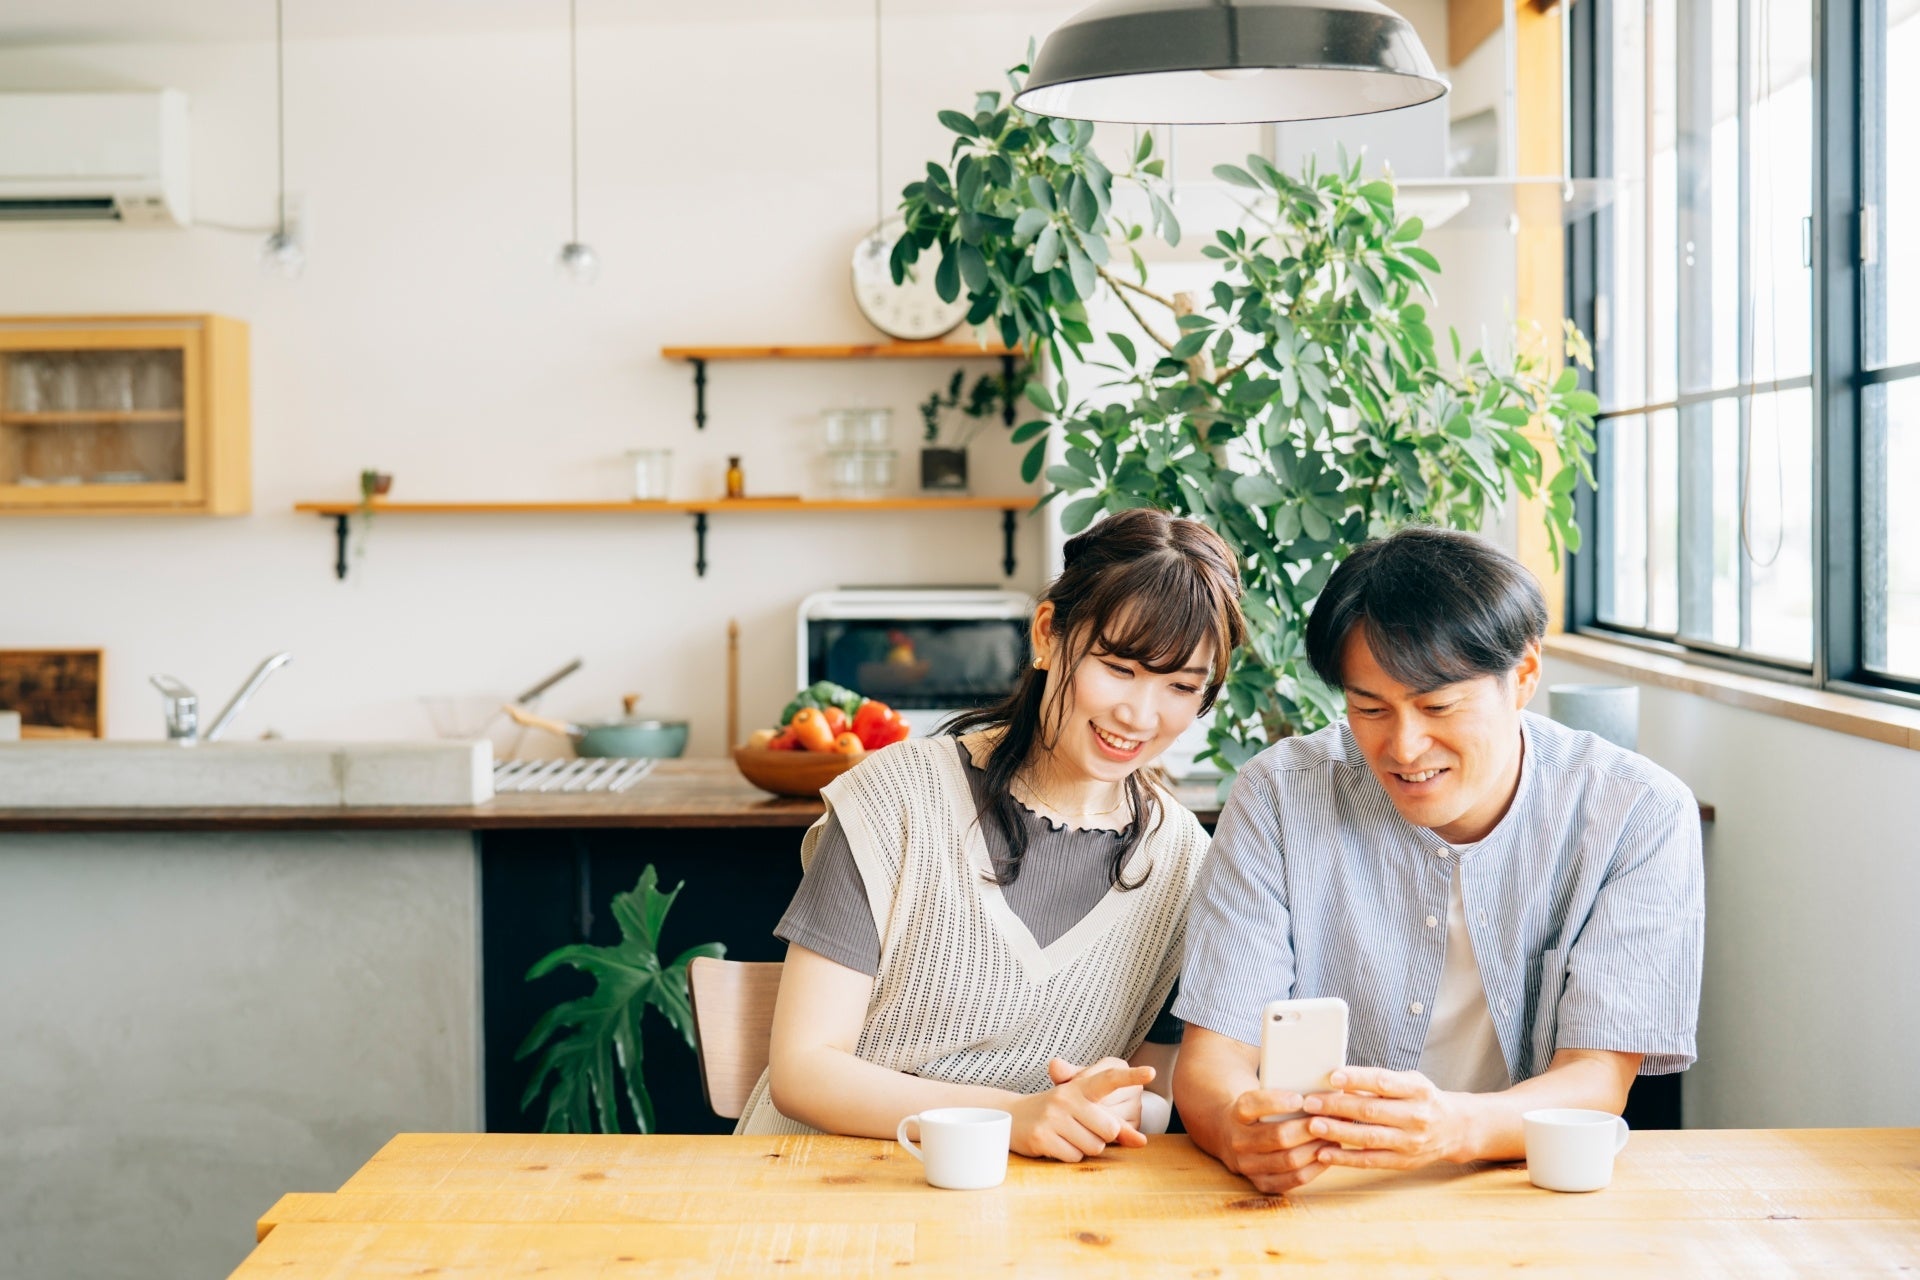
column 964, row 994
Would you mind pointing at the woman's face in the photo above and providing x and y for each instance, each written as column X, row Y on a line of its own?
column 1113, row 715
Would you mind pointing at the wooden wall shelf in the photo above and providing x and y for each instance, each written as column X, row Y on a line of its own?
column 935, row 350
column 1008, row 507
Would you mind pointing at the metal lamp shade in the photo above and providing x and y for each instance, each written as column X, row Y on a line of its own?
column 1230, row 62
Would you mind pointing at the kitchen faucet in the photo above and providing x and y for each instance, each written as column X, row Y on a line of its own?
column 183, row 705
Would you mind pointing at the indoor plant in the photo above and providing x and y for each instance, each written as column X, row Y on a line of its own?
column 1298, row 406
column 943, row 465
column 597, row 1037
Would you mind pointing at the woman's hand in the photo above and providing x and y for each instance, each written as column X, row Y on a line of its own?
column 1069, row 1121
column 1123, row 1103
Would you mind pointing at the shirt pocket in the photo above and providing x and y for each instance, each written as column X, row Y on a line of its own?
column 1546, row 980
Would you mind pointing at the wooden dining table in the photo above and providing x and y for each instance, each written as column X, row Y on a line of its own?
column 1746, row 1203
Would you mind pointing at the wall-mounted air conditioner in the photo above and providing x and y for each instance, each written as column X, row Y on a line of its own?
column 94, row 157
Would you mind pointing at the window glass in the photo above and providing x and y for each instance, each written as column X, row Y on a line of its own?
column 1663, row 533
column 1623, row 494
column 1621, row 343
column 1892, row 174
column 1778, row 529
column 1890, row 533
column 1780, row 201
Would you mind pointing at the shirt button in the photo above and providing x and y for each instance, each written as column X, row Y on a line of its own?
column 1416, row 1008
column 1432, row 921
column 1483, row 917
column 1505, row 1005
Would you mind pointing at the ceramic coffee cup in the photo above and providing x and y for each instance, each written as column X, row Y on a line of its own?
column 963, row 1148
column 1572, row 1150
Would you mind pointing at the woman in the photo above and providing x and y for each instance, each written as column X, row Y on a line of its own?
column 995, row 918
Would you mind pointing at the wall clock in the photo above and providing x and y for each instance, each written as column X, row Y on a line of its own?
column 911, row 310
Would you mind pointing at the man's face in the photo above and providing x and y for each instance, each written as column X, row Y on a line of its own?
column 1448, row 758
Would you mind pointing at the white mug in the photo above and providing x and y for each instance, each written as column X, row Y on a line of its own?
column 963, row 1148
column 1572, row 1150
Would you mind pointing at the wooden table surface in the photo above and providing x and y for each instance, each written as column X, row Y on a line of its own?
column 1746, row 1203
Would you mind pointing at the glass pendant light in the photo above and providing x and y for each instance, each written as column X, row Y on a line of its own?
column 283, row 254
column 577, row 260
column 1230, row 62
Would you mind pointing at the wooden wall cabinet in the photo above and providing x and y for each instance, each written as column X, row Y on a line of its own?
column 103, row 415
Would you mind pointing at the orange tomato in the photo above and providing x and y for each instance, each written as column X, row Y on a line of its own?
column 809, row 729
column 836, row 720
column 783, row 741
column 848, row 744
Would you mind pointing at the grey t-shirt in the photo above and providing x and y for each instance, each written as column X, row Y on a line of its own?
column 1064, row 875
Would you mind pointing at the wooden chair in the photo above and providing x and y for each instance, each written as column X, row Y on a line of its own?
column 733, row 1027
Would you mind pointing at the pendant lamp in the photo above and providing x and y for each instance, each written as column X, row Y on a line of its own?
column 1229, row 62
column 577, row 261
column 284, row 253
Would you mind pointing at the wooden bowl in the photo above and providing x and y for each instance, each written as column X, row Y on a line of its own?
column 792, row 773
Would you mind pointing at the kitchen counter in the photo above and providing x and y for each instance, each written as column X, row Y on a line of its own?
column 690, row 794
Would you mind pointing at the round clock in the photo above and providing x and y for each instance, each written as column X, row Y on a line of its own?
column 911, row 310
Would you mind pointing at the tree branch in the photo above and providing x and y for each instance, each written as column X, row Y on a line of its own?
column 1143, row 292
column 1132, row 310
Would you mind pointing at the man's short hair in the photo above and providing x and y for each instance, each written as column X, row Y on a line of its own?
column 1437, row 607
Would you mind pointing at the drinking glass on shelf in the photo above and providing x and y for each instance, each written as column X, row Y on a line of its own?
column 157, row 381
column 652, row 474
column 839, row 427
column 873, row 427
column 62, row 384
column 24, row 383
column 112, row 389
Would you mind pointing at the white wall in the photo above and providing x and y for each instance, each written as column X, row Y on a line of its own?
column 1807, row 1012
column 727, row 169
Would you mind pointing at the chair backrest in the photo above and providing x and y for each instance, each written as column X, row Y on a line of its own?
column 733, row 1027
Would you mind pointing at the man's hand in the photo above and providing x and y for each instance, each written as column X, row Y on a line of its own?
column 1388, row 1120
column 1274, row 1155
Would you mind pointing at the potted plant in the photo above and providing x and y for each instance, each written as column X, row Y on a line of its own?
column 943, row 466
column 373, row 484
column 592, row 1045
column 1298, row 405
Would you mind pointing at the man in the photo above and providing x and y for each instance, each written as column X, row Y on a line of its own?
column 1511, row 909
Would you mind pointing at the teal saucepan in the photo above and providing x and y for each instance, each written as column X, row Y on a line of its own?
column 630, row 735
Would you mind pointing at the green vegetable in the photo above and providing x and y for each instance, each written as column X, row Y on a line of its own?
column 822, row 694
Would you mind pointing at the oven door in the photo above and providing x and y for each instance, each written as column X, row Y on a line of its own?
column 925, row 654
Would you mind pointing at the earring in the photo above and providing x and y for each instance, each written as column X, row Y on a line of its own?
column 1039, row 665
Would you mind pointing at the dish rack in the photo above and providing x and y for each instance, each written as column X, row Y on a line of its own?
column 611, row 773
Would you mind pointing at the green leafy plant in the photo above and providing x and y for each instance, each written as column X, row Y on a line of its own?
column 1298, row 406
column 595, row 1053
column 990, row 394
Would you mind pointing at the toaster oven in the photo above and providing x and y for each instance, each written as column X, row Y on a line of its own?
column 925, row 652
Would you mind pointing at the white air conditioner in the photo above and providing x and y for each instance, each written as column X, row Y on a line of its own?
column 94, row 157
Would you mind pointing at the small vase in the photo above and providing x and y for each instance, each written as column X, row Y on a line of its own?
column 943, row 470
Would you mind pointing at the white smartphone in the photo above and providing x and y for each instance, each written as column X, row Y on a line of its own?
column 1301, row 1043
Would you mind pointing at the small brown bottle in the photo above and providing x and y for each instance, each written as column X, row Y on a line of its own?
column 736, row 478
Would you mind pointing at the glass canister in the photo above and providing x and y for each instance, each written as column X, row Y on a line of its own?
column 652, row 474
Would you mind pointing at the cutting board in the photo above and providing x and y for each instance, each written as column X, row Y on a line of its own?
column 56, row 691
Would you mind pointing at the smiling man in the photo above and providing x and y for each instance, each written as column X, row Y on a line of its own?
column 1511, row 909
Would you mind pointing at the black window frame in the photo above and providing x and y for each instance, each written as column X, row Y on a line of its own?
column 1844, row 82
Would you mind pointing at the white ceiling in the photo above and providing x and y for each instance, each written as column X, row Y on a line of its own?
column 45, row 22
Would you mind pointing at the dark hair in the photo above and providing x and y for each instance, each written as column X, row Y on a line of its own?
column 1437, row 607
column 1142, row 585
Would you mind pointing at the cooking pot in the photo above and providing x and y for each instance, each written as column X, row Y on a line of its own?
column 631, row 735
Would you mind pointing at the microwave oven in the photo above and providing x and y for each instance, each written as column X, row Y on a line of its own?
column 926, row 652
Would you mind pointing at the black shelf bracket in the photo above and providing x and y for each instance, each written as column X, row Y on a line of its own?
column 1008, row 524
column 700, row 544
column 1006, row 407
column 340, row 547
column 699, row 394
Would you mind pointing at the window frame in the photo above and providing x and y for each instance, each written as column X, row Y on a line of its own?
column 1838, row 380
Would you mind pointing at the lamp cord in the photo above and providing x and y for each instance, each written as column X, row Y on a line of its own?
column 280, row 105
column 573, row 108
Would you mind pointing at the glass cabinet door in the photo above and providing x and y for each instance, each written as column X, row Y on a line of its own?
column 107, row 422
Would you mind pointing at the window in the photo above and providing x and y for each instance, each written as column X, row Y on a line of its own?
column 1753, row 292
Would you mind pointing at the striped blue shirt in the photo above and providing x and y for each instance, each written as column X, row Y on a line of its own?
column 1584, row 904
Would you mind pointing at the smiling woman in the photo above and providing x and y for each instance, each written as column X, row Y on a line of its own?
column 994, row 918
